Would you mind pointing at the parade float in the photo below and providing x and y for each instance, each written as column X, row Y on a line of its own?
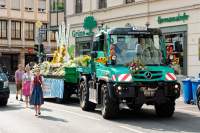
column 60, row 74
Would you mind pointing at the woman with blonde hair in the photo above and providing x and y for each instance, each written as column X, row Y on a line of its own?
column 26, row 84
column 37, row 92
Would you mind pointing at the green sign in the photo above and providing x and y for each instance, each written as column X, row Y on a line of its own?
column 89, row 23
column 81, row 33
column 177, row 18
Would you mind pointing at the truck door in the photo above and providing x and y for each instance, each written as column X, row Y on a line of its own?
column 97, row 52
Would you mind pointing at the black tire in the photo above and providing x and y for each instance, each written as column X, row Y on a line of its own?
column 165, row 109
column 198, row 101
column 135, row 107
column 85, row 104
column 66, row 97
column 110, row 108
column 59, row 100
column 3, row 102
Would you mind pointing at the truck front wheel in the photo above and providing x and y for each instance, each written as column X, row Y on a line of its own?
column 110, row 107
column 85, row 104
column 198, row 101
column 165, row 109
column 3, row 102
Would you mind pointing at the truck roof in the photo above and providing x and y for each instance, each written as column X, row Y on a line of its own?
column 134, row 30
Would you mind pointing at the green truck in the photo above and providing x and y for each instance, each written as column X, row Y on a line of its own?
column 128, row 65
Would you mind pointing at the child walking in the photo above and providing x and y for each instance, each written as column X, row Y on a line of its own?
column 37, row 92
column 26, row 84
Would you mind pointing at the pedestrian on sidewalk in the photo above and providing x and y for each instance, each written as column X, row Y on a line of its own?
column 36, row 91
column 18, row 80
column 26, row 84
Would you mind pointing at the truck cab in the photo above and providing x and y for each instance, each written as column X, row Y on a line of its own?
column 128, row 66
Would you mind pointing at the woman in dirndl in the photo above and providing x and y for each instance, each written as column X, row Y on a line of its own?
column 37, row 92
column 26, row 84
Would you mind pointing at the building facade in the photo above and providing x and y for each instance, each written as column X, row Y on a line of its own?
column 178, row 19
column 18, row 30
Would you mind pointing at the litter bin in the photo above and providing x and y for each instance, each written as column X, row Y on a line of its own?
column 195, row 84
column 187, row 90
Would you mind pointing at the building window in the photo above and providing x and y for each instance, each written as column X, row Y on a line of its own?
column 57, row 5
column 44, row 26
column 129, row 1
column 2, row 3
column 15, row 30
column 3, row 29
column 78, row 6
column 15, row 4
column 29, row 6
column 42, row 6
column 29, row 30
column 102, row 4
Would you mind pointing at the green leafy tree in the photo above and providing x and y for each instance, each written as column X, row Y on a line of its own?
column 90, row 23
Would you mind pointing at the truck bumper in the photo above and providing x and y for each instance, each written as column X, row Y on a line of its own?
column 4, row 93
column 147, row 90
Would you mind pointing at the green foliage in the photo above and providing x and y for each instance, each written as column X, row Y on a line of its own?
column 90, row 23
column 71, row 50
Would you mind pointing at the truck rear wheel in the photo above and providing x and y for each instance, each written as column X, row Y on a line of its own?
column 165, row 109
column 110, row 108
column 85, row 104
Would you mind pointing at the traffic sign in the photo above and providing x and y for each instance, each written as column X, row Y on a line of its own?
column 42, row 31
column 38, row 24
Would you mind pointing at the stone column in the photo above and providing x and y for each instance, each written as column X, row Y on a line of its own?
column 22, row 57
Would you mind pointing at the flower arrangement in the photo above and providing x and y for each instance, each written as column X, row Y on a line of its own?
column 136, row 66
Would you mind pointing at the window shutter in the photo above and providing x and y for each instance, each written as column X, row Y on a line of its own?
column 15, row 4
column 42, row 4
column 29, row 4
column 2, row 2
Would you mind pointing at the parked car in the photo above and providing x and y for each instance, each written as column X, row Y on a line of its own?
column 4, row 89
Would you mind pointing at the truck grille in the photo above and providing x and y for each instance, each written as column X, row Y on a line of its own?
column 1, row 84
column 148, row 75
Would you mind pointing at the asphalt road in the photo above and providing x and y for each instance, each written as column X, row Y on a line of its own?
column 69, row 118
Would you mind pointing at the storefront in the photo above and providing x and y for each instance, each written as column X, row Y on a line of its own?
column 176, row 46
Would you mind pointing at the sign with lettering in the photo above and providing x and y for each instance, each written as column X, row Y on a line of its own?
column 180, row 17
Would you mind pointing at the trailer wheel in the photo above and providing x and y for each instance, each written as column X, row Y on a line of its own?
column 110, row 108
column 165, row 109
column 198, row 101
column 85, row 104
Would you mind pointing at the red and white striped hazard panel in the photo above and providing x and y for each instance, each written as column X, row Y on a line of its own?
column 122, row 77
column 170, row 77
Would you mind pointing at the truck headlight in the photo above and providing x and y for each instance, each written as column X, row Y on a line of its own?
column 176, row 86
column 5, row 84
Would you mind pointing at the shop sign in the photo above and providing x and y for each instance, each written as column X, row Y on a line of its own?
column 184, row 17
column 81, row 33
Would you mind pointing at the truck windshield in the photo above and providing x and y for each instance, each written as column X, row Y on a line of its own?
column 128, row 48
